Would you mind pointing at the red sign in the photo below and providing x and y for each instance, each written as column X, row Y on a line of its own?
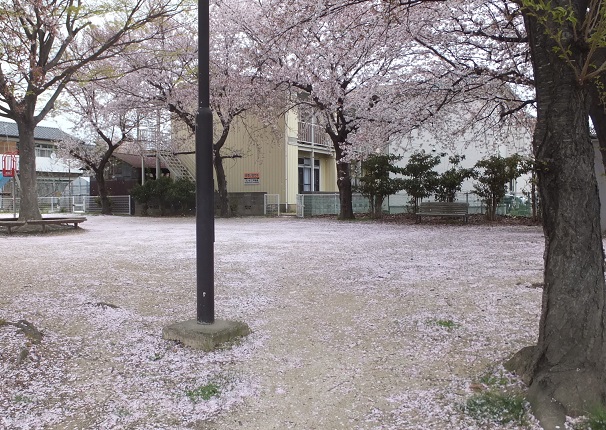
column 251, row 179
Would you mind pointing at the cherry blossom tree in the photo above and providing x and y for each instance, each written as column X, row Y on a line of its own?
column 568, row 364
column 106, row 120
column 171, row 75
column 346, row 64
column 474, row 58
column 45, row 43
column 565, row 370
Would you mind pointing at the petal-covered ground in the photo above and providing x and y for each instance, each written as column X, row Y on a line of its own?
column 356, row 325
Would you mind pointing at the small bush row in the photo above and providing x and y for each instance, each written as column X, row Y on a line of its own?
column 167, row 195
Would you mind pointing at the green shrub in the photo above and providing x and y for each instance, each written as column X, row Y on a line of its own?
column 376, row 182
column 492, row 175
column 167, row 195
column 183, row 195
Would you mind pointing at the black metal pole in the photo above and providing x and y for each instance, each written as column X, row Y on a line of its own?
column 205, row 213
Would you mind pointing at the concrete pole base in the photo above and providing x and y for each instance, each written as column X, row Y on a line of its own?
column 206, row 337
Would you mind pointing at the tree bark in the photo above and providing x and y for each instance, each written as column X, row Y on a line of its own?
column 566, row 369
column 28, row 208
column 224, row 209
column 344, row 183
column 106, row 208
column 492, row 210
column 533, row 196
column 377, row 207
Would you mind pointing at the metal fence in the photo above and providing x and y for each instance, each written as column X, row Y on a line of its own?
column 271, row 204
column 328, row 204
column 513, row 204
column 121, row 205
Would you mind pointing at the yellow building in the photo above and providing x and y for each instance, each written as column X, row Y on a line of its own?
column 275, row 160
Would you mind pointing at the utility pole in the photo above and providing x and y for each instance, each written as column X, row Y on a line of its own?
column 204, row 332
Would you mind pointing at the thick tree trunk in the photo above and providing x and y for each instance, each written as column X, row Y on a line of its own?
column 106, row 208
column 29, row 209
column 566, row 368
column 344, row 184
column 224, row 209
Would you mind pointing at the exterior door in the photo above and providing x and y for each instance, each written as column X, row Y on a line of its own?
column 305, row 178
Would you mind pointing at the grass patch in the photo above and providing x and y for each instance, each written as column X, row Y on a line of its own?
column 447, row 324
column 122, row 412
column 204, row 392
column 497, row 408
column 157, row 356
column 595, row 420
column 494, row 380
column 20, row 398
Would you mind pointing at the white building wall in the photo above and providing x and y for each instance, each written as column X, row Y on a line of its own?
column 473, row 152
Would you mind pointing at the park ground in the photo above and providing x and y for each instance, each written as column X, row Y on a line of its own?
column 355, row 325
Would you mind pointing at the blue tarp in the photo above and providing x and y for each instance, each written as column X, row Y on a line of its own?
column 3, row 180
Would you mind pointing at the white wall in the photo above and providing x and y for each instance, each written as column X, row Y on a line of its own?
column 473, row 152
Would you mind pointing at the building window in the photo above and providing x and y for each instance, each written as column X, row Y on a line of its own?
column 305, row 175
column 43, row 150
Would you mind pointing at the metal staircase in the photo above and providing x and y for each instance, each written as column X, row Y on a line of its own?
column 177, row 169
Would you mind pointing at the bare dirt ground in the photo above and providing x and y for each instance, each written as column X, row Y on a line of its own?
column 348, row 319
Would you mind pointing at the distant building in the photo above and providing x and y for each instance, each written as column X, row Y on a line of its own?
column 53, row 174
column 124, row 171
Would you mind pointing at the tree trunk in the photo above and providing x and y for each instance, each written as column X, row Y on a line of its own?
column 372, row 203
column 377, row 209
column 566, row 368
column 491, row 208
column 345, row 191
column 224, row 209
column 344, row 184
column 29, row 209
column 106, row 208
column 533, row 196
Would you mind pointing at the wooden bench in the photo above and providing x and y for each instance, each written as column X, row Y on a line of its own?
column 10, row 224
column 56, row 221
column 448, row 209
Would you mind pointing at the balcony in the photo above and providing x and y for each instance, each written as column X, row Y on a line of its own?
column 314, row 135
